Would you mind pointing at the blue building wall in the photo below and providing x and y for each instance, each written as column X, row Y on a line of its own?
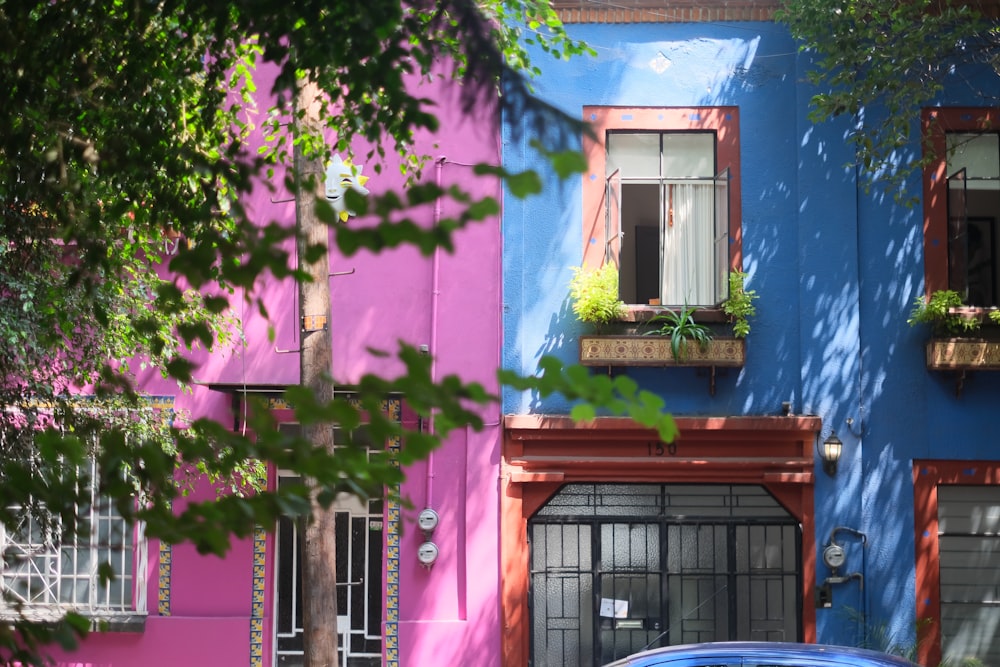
column 836, row 266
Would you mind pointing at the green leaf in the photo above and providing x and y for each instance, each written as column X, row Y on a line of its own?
column 583, row 412
column 524, row 184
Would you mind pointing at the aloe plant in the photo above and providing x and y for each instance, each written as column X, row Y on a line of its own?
column 681, row 327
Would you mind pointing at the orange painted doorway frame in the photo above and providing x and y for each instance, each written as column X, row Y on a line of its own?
column 542, row 453
column 927, row 477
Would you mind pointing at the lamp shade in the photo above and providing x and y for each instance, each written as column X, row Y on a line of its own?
column 832, row 448
column 830, row 453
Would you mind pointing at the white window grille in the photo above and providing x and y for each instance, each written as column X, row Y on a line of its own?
column 45, row 574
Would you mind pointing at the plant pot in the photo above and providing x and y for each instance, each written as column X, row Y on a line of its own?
column 963, row 354
column 969, row 313
column 626, row 350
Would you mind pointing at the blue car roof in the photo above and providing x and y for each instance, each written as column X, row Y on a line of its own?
column 803, row 654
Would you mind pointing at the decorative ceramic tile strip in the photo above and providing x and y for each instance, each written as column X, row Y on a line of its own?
column 959, row 353
column 393, row 531
column 163, row 580
column 277, row 403
column 655, row 351
column 166, row 551
column 257, row 603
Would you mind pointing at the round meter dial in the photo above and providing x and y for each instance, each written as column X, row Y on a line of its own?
column 427, row 553
column 834, row 556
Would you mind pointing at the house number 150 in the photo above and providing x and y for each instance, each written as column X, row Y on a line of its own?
column 659, row 449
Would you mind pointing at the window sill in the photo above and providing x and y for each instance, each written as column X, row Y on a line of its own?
column 126, row 622
column 641, row 313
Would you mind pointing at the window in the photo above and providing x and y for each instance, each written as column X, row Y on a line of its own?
column 661, row 202
column 973, row 204
column 46, row 574
column 962, row 204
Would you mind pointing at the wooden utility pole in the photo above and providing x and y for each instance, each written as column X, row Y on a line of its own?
column 319, row 547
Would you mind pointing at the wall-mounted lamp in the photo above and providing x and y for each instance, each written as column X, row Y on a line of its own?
column 830, row 453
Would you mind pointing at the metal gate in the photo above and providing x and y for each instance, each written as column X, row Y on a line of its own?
column 616, row 568
column 359, row 587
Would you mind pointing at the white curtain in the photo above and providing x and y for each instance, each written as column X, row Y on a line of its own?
column 688, row 230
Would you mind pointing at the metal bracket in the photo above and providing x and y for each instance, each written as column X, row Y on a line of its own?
column 311, row 323
column 712, row 372
column 960, row 383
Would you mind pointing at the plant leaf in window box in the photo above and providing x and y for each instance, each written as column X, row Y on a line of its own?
column 594, row 295
column 680, row 326
column 739, row 306
column 948, row 315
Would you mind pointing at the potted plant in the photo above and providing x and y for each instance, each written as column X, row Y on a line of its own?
column 956, row 340
column 947, row 314
column 679, row 338
column 594, row 294
column 683, row 331
column 739, row 306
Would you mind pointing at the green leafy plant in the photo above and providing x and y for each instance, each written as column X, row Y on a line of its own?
column 943, row 312
column 879, row 636
column 739, row 306
column 595, row 295
column 681, row 327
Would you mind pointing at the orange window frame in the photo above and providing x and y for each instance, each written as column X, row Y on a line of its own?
column 724, row 121
column 935, row 125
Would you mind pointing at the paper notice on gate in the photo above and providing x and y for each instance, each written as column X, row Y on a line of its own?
column 611, row 608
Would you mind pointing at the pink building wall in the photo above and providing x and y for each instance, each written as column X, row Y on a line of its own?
column 203, row 610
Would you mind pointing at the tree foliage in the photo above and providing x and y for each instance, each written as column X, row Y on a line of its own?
column 125, row 129
column 880, row 62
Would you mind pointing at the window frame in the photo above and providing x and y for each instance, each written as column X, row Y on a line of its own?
column 936, row 124
column 723, row 121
